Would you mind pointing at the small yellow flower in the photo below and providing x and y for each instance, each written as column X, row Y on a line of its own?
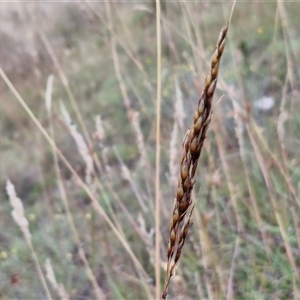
column 3, row 255
column 260, row 30
column 69, row 256
column 13, row 251
column 32, row 217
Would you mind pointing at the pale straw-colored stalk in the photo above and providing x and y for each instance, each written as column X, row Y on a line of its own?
column 127, row 175
column 277, row 209
column 233, row 190
column 189, row 26
column 71, row 97
column 126, row 47
column 230, row 285
column 84, row 152
column 95, row 204
column 158, row 152
column 179, row 117
column 173, row 162
column 291, row 56
column 239, row 130
column 58, row 287
column 19, row 217
column 81, row 145
column 131, row 114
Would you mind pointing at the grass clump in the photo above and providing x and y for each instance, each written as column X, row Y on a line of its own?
column 98, row 211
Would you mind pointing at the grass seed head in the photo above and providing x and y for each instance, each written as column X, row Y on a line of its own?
column 191, row 150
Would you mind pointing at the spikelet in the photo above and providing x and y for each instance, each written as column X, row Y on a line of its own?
column 191, row 150
column 81, row 144
column 18, row 210
column 59, row 288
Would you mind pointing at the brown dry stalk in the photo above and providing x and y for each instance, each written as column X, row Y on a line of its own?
column 191, row 150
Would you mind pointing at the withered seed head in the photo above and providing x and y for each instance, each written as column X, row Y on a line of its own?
column 191, row 150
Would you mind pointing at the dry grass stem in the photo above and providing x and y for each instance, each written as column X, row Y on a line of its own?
column 277, row 209
column 21, row 220
column 52, row 279
column 191, row 150
column 158, row 152
column 95, row 204
column 71, row 97
column 179, row 117
column 230, row 287
column 76, row 237
column 81, row 144
column 233, row 190
column 239, row 114
column 173, row 155
column 126, row 47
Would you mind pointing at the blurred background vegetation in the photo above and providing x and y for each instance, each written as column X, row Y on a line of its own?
column 245, row 241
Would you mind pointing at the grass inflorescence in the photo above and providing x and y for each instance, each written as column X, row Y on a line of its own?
column 191, row 150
